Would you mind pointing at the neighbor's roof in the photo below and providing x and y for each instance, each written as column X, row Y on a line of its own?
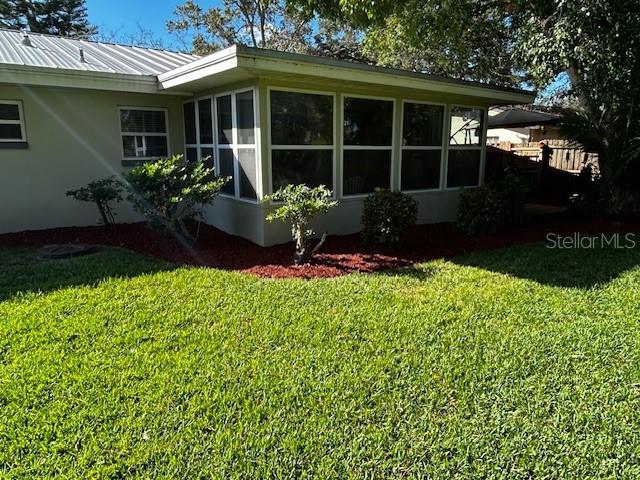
column 521, row 118
column 51, row 51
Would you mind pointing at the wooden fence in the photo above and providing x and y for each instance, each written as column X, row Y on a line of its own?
column 564, row 156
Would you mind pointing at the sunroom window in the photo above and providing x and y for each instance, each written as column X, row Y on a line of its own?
column 367, row 145
column 144, row 133
column 198, row 130
column 302, row 144
column 422, row 139
column 236, row 143
column 465, row 147
column 11, row 122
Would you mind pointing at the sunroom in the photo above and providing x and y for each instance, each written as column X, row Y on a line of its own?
column 267, row 119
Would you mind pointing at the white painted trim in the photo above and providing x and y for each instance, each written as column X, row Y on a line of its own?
column 20, row 121
column 143, row 134
column 482, row 147
column 332, row 147
column 344, row 147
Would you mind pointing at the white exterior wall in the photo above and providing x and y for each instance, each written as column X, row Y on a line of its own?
column 73, row 138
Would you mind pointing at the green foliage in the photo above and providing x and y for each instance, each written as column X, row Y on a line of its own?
column 491, row 208
column 55, row 17
column 387, row 216
column 171, row 190
column 103, row 193
column 510, row 364
column 300, row 205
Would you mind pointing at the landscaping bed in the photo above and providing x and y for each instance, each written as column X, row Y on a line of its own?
column 341, row 254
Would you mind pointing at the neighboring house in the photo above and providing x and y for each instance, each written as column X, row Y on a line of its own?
column 517, row 125
column 74, row 111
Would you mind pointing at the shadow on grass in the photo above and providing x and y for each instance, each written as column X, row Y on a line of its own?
column 574, row 268
column 22, row 272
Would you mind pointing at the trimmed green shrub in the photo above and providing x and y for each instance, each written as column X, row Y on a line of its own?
column 103, row 193
column 300, row 205
column 387, row 216
column 491, row 208
column 171, row 190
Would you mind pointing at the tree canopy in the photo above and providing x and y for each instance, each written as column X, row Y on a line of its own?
column 56, row 17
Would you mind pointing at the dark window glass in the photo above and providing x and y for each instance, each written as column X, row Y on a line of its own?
column 129, row 146
column 422, row 125
column 225, row 125
column 245, row 118
column 226, row 170
column 301, row 119
column 312, row 167
column 466, row 126
column 368, row 122
column 206, row 155
column 191, row 154
column 10, row 131
column 464, row 168
column 421, row 169
column 156, row 146
column 366, row 170
column 143, row 121
column 189, row 115
column 248, row 181
column 206, row 121
column 9, row 111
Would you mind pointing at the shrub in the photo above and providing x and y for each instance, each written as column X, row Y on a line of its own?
column 491, row 208
column 387, row 216
column 300, row 205
column 171, row 190
column 103, row 193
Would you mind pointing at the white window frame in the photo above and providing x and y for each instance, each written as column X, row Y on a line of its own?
column 20, row 121
column 442, row 147
column 344, row 148
column 234, row 146
column 199, row 146
column 143, row 134
column 332, row 147
column 482, row 147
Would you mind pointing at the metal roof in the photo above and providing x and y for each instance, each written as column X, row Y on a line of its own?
column 64, row 53
column 520, row 118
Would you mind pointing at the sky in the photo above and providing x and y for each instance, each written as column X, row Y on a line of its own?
column 121, row 17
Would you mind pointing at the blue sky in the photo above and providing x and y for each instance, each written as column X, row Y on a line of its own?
column 122, row 16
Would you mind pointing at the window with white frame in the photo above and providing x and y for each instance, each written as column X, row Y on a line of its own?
column 12, row 122
column 465, row 147
column 367, row 145
column 236, row 143
column 198, row 130
column 144, row 133
column 422, row 146
column 302, row 139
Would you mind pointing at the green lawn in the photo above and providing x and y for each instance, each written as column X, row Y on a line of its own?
column 518, row 363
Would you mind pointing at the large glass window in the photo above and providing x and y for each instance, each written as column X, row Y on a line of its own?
column 367, row 145
column 198, row 130
column 302, row 144
column 11, row 122
column 236, row 143
column 144, row 133
column 422, row 138
column 465, row 147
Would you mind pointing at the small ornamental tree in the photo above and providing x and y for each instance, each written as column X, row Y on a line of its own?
column 171, row 190
column 300, row 205
column 103, row 193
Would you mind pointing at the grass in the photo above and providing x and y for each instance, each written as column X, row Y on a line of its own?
column 494, row 365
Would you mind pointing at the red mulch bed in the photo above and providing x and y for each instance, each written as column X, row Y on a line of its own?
column 341, row 254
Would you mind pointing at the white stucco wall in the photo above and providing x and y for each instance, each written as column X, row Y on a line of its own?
column 73, row 138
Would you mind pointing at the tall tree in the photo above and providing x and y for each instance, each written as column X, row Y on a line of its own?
column 256, row 23
column 57, row 17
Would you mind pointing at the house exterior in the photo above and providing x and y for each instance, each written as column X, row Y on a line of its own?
column 74, row 111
